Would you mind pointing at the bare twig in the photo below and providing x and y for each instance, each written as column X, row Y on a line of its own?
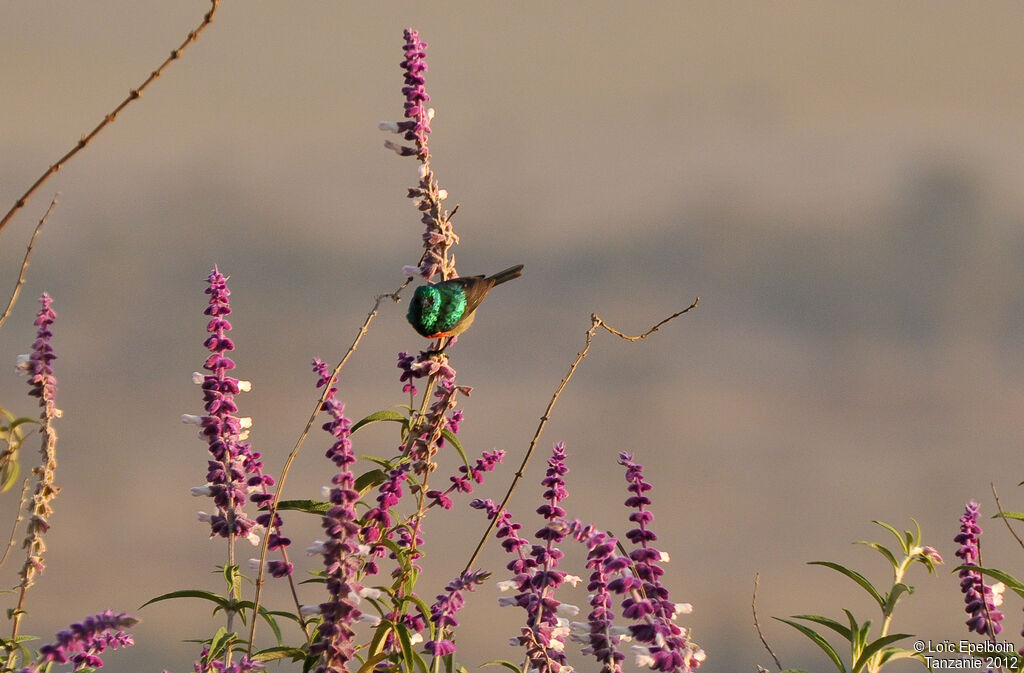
column 24, row 263
column 757, row 626
column 595, row 322
column 394, row 296
column 17, row 520
column 111, row 116
column 649, row 332
column 1002, row 515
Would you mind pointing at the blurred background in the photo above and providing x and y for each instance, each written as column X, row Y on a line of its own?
column 838, row 182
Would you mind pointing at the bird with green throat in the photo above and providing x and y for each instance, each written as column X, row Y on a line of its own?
column 447, row 309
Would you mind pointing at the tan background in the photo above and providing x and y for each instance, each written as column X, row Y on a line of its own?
column 839, row 182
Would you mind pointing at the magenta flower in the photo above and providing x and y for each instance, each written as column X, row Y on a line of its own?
column 42, row 384
column 535, row 576
column 38, row 365
column 981, row 599
column 224, row 432
column 405, row 363
column 666, row 645
column 427, row 435
column 447, row 605
column 439, row 236
column 83, row 642
column 417, row 129
column 463, row 482
column 341, row 549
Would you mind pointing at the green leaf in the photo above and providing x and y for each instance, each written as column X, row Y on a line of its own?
column 454, row 441
column 894, row 596
column 233, row 579
column 421, row 605
column 818, row 640
column 904, row 543
column 369, row 480
column 377, row 417
column 860, row 637
column 875, row 647
column 403, row 638
column 1019, row 516
column 318, row 507
column 219, row 643
column 507, row 664
column 881, row 549
column 9, row 473
column 22, row 421
column 895, row 653
column 377, row 641
column 372, row 662
column 1009, row 580
column 421, row 664
column 221, row 601
column 276, row 653
column 283, row 613
column 914, row 541
column 844, row 631
column 855, row 576
column 268, row 617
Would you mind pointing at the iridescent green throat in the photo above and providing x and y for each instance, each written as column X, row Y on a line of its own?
column 437, row 309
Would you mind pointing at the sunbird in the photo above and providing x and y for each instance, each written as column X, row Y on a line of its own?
column 447, row 308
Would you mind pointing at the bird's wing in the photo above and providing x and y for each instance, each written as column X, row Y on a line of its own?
column 476, row 288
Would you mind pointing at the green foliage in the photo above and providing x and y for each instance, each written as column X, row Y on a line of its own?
column 866, row 654
column 11, row 438
column 507, row 664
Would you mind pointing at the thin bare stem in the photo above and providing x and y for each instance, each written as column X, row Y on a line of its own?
column 596, row 322
column 648, row 332
column 17, row 520
column 757, row 625
column 24, row 262
column 1002, row 515
column 394, row 296
column 134, row 94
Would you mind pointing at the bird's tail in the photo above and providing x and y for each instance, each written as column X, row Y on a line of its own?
column 507, row 274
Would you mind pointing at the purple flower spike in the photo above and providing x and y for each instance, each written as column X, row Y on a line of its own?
column 463, row 482
column 535, row 574
column 427, row 436
column 981, row 600
column 417, row 129
column 83, row 642
column 415, row 66
column 341, row 550
column 444, row 609
column 38, row 365
column 439, row 236
column 601, row 636
column 405, row 362
column 666, row 646
column 42, row 384
column 235, row 470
